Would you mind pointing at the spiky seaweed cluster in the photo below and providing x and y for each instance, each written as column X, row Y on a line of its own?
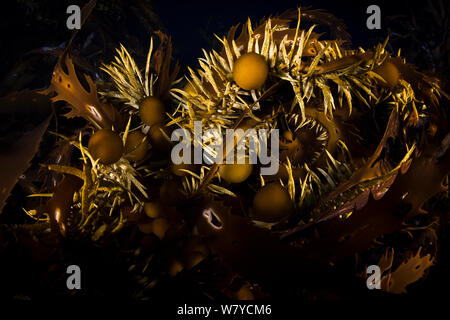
column 317, row 93
column 313, row 89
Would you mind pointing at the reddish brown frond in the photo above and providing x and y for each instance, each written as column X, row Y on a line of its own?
column 84, row 101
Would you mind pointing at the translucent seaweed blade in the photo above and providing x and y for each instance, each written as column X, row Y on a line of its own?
column 221, row 190
column 283, row 52
column 250, row 36
column 222, row 62
column 328, row 99
column 295, row 40
column 197, row 82
column 291, row 182
column 228, row 53
column 18, row 160
column 133, row 65
column 209, row 76
column 301, row 45
column 236, row 50
column 316, row 60
column 147, row 68
column 267, row 39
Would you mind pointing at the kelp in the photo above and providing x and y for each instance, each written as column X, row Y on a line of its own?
column 84, row 102
column 18, row 151
column 409, row 271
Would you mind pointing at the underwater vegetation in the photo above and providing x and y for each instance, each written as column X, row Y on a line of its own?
column 364, row 161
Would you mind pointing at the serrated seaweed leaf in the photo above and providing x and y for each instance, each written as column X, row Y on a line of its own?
column 410, row 271
column 416, row 182
column 83, row 101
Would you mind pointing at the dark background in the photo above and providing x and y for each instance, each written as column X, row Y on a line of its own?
column 30, row 30
column 191, row 23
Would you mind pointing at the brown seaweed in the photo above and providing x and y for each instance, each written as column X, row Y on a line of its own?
column 411, row 270
column 83, row 101
column 15, row 158
column 161, row 66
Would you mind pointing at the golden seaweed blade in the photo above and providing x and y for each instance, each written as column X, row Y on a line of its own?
column 132, row 83
column 112, row 164
column 103, row 193
column 213, row 97
column 325, row 79
column 193, row 181
column 409, row 271
column 95, row 209
column 131, row 86
column 110, row 180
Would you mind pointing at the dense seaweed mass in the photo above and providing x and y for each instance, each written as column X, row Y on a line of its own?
column 89, row 177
